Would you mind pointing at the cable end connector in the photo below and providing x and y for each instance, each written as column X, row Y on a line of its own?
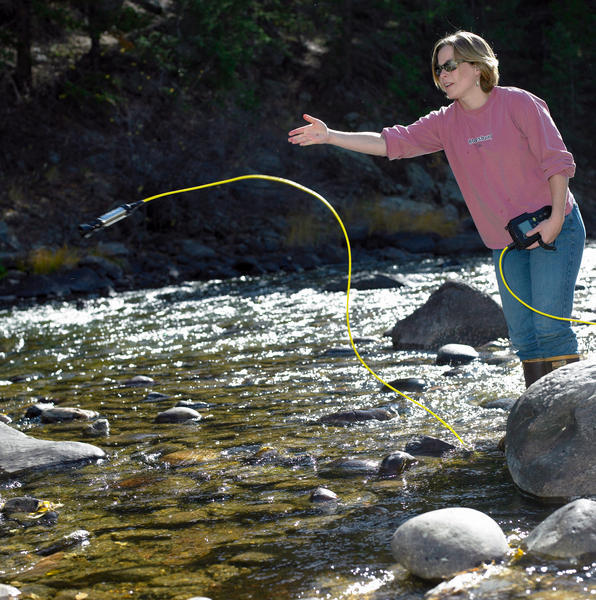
column 86, row 229
column 109, row 218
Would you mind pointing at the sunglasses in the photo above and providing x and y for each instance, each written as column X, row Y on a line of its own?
column 449, row 66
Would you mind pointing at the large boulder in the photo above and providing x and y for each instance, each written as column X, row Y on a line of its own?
column 454, row 313
column 20, row 452
column 550, row 434
column 440, row 543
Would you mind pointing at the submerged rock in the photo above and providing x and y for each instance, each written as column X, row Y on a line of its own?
column 264, row 456
column 99, row 428
column 395, row 464
column 347, row 417
column 20, row 453
column 351, row 467
column 550, row 434
column 440, row 543
column 58, row 414
column 272, row 456
column 373, row 281
column 178, row 414
column 489, row 582
column 80, row 536
column 155, row 397
column 194, row 404
column 20, row 504
column 139, row 381
column 428, row 446
column 408, row 384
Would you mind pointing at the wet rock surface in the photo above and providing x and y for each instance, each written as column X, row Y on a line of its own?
column 569, row 532
column 348, row 417
column 454, row 313
column 178, row 414
column 456, row 354
column 428, row 446
column 20, row 453
column 550, row 434
column 438, row 544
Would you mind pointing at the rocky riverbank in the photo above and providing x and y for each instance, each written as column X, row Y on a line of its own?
column 63, row 165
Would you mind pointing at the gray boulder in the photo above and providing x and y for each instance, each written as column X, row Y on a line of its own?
column 550, row 434
column 454, row 313
column 20, row 453
column 440, row 543
column 570, row 532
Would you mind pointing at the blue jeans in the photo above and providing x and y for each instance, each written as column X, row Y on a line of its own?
column 546, row 281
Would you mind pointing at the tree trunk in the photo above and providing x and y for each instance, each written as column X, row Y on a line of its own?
column 346, row 39
column 23, row 74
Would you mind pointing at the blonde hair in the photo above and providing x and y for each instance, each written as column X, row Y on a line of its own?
column 471, row 48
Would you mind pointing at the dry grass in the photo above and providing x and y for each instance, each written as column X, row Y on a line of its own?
column 43, row 261
column 304, row 231
column 380, row 220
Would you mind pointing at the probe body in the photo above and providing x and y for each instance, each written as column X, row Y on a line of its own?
column 109, row 218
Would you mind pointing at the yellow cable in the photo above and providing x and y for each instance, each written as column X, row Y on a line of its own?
column 531, row 307
column 326, row 203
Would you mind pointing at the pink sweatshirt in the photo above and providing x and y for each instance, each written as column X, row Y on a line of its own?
column 501, row 154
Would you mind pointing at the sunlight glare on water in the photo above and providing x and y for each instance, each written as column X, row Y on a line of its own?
column 194, row 509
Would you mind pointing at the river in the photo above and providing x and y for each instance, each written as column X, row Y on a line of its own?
column 182, row 510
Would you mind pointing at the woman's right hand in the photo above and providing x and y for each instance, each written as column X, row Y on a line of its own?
column 315, row 133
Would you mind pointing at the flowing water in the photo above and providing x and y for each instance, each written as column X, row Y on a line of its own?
column 182, row 510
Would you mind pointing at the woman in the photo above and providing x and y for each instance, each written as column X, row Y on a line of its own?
column 508, row 158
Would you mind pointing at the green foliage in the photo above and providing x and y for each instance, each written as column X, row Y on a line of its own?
column 129, row 20
column 379, row 51
column 568, row 53
column 95, row 90
column 215, row 39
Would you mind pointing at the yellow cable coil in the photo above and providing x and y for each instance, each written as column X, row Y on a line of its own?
column 531, row 307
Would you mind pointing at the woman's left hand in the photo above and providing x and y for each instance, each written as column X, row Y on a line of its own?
column 550, row 228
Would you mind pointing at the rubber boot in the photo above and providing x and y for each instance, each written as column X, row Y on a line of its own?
column 536, row 368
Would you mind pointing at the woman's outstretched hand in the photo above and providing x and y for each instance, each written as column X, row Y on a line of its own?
column 315, row 133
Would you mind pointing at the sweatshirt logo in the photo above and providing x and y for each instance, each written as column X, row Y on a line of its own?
column 481, row 138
